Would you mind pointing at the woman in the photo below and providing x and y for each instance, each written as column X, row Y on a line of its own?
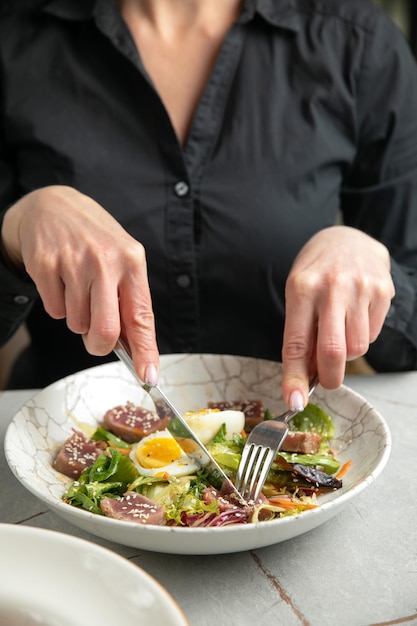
column 187, row 162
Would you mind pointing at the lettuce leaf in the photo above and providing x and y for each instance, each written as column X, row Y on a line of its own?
column 313, row 418
column 118, row 466
column 88, row 496
column 102, row 434
column 190, row 503
column 326, row 462
column 164, row 492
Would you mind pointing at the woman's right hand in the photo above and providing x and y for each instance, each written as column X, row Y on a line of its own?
column 87, row 269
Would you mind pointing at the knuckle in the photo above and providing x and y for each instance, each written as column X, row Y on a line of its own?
column 333, row 352
column 107, row 332
column 295, row 348
column 41, row 265
column 140, row 320
column 101, row 339
column 107, row 260
column 134, row 255
column 302, row 283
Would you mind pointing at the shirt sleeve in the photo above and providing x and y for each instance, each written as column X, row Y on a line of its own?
column 380, row 191
column 17, row 295
column 17, row 290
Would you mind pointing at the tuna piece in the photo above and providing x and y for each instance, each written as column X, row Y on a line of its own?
column 302, row 442
column 131, row 423
column 133, row 507
column 77, row 453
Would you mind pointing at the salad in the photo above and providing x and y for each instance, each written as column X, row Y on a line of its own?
column 138, row 465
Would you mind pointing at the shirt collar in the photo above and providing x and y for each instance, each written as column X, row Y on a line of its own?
column 280, row 13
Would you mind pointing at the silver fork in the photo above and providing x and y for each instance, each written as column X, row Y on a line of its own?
column 260, row 450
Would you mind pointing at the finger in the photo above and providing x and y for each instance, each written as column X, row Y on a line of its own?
column 357, row 331
column 298, row 343
column 378, row 310
column 104, row 328
column 52, row 292
column 365, row 321
column 138, row 328
column 77, row 304
column 331, row 345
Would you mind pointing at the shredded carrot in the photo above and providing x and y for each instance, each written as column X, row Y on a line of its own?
column 289, row 504
column 345, row 467
column 121, row 450
column 243, row 433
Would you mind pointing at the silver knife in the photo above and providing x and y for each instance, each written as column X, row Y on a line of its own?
column 204, row 457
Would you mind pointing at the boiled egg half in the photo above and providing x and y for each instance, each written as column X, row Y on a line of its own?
column 207, row 423
column 159, row 454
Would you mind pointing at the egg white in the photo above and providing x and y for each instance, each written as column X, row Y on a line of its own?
column 206, row 423
column 152, row 450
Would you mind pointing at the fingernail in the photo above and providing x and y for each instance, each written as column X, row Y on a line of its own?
column 151, row 375
column 296, row 401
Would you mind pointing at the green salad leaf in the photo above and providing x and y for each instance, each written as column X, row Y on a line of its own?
column 190, row 502
column 228, row 456
column 118, row 466
column 326, row 462
column 102, row 434
column 89, row 495
column 161, row 491
column 190, row 505
column 313, row 418
column 179, row 495
column 109, row 476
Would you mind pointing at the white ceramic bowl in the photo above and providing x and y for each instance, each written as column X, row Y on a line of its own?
column 42, row 425
column 53, row 579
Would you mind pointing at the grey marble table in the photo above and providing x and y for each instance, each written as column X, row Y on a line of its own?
column 358, row 569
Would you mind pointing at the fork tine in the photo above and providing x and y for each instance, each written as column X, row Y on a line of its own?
column 256, row 462
column 245, row 466
column 268, row 460
column 262, row 454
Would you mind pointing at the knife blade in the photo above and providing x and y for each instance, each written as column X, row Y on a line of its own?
column 198, row 450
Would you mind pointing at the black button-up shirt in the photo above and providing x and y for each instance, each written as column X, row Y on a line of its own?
column 310, row 110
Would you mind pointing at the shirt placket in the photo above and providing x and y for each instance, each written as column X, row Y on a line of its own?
column 184, row 170
column 182, row 261
column 185, row 198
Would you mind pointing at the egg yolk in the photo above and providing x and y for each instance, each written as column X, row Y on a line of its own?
column 158, row 452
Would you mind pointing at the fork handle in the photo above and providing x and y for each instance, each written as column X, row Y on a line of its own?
column 284, row 416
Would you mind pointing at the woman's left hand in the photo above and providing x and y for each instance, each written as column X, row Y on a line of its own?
column 338, row 293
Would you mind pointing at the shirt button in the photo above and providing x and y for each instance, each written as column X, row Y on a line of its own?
column 181, row 188
column 183, row 280
column 21, row 299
